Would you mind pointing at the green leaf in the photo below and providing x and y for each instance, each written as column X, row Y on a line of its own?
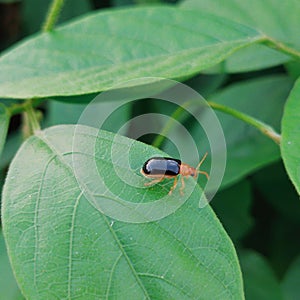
column 4, row 122
column 102, row 49
column 58, row 237
column 291, row 281
column 290, row 143
column 264, row 17
column 8, row 286
column 233, row 208
column 259, row 279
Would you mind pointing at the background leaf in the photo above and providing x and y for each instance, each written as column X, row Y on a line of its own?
column 291, row 281
column 8, row 285
column 274, row 184
column 259, row 279
column 233, row 208
column 275, row 209
column 264, row 17
column 247, row 148
column 95, row 52
column 56, row 238
column 69, row 113
column 290, row 143
column 34, row 13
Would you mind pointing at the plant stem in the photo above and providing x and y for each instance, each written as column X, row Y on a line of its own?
column 18, row 108
column 53, row 14
column 32, row 118
column 281, row 47
column 262, row 127
column 30, row 123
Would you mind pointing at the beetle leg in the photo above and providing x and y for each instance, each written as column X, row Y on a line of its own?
column 173, row 187
column 154, row 181
column 182, row 186
column 204, row 173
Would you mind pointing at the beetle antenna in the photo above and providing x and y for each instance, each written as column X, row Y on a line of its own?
column 200, row 163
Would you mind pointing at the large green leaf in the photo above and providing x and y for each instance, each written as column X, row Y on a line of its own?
column 4, row 122
column 275, row 19
column 290, row 143
column 97, row 51
column 57, row 237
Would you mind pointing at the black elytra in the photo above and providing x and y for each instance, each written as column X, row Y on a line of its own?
column 162, row 166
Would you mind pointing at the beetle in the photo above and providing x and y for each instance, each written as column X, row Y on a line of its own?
column 159, row 168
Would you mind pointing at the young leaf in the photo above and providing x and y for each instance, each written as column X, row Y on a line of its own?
column 4, row 122
column 264, row 17
column 290, row 143
column 97, row 51
column 57, row 236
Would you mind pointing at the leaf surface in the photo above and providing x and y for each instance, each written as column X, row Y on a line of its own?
column 290, row 143
column 97, row 51
column 264, row 16
column 57, row 236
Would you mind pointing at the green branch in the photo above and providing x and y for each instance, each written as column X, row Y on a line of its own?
column 53, row 14
column 30, row 116
column 33, row 122
column 262, row 127
column 281, row 47
column 18, row 108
